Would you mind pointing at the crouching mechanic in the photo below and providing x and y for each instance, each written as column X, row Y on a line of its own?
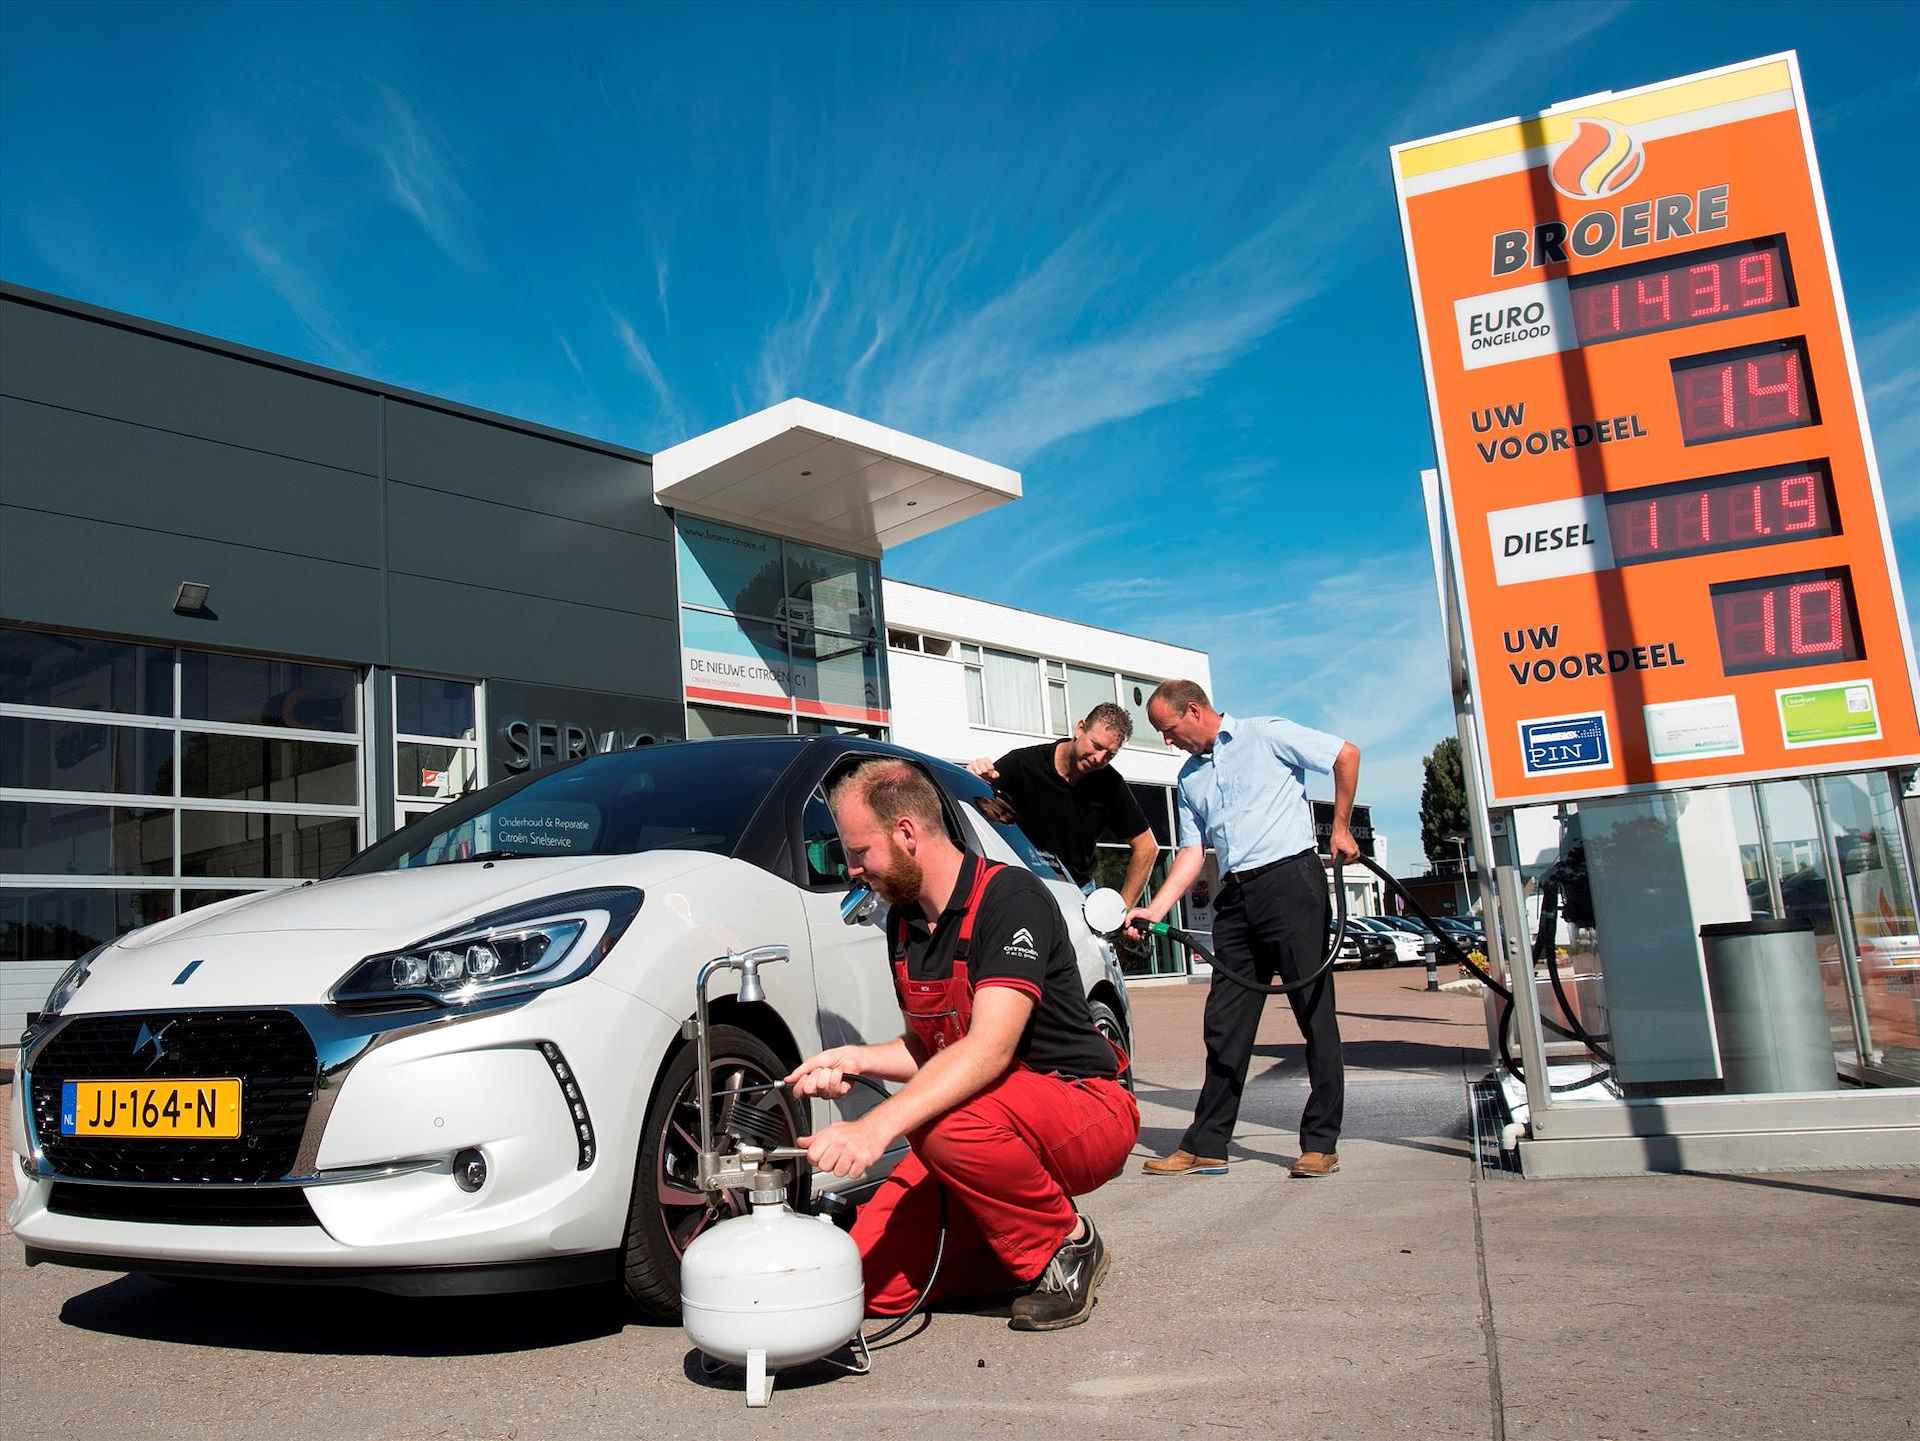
column 1010, row 1099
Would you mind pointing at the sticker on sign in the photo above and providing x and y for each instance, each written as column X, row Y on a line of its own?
column 1515, row 324
column 1553, row 745
column 1549, row 539
column 1824, row 715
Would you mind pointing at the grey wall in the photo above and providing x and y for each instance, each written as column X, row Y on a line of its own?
column 334, row 518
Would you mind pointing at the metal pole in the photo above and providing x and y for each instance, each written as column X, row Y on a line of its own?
column 1843, row 925
column 1769, row 867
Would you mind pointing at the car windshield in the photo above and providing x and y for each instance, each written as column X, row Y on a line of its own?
column 692, row 796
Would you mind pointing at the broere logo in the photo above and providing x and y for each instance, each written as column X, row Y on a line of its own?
column 1601, row 159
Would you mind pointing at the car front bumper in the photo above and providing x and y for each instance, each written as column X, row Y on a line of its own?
column 396, row 1100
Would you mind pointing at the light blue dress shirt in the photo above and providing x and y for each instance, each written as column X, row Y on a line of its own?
column 1247, row 797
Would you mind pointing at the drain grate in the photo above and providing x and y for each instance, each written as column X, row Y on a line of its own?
column 1488, row 1109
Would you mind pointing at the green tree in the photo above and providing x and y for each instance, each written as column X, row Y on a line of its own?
column 1443, row 803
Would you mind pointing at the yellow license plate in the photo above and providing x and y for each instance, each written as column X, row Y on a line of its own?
column 208, row 1110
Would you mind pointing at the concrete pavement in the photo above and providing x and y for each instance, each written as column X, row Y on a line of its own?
column 1399, row 1298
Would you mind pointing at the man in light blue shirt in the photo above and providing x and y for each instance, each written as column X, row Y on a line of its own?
column 1243, row 792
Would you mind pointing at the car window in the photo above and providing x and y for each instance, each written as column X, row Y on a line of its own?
column 977, row 796
column 820, row 845
column 693, row 796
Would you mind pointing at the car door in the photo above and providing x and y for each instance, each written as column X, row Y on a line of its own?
column 852, row 976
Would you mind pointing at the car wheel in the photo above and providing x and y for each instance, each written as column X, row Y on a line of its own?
column 1106, row 1020
column 668, row 1209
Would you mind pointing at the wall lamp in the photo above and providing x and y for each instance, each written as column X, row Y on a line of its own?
column 191, row 598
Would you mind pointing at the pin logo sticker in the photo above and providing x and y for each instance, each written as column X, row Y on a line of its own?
column 1601, row 159
column 1553, row 745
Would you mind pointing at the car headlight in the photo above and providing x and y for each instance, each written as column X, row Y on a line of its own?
column 71, row 980
column 527, row 947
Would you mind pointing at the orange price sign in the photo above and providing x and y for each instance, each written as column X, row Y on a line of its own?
column 1665, row 516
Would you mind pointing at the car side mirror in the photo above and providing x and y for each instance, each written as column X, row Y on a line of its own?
column 858, row 905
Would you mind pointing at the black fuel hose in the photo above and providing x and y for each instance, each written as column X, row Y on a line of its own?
column 1337, row 939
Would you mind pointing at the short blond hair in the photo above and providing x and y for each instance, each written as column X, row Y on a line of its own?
column 890, row 789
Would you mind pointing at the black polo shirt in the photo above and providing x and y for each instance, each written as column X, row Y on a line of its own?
column 1068, row 820
column 1019, row 941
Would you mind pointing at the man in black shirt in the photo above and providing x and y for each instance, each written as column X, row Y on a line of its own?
column 1066, row 796
column 1009, row 1098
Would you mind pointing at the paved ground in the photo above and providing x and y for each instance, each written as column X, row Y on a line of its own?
column 1399, row 1298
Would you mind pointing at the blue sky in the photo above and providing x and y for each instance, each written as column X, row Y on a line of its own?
column 1150, row 257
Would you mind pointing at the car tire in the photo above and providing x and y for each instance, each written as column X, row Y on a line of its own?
column 1106, row 1020
column 666, row 1166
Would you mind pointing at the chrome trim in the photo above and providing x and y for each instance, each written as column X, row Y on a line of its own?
column 342, row 1176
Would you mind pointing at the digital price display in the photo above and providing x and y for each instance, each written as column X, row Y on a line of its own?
column 1722, row 512
column 1780, row 621
column 1744, row 392
column 1666, row 534
column 1744, row 278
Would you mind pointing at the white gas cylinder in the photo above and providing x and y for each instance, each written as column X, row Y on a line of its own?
column 771, row 1289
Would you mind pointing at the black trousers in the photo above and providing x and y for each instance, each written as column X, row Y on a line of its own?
column 1270, row 922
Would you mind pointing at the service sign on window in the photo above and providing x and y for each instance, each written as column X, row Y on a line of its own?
column 1665, row 513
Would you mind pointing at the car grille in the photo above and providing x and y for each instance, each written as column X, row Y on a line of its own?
column 185, row 1205
column 270, row 1051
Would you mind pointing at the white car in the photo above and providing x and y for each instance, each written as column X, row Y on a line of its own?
column 1407, row 950
column 459, row 1064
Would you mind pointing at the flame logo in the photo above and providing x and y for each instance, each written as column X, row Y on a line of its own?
column 1601, row 159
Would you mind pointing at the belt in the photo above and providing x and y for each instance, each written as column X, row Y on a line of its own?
column 1309, row 854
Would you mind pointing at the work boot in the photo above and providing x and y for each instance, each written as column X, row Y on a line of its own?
column 1063, row 1294
column 1316, row 1163
column 1185, row 1163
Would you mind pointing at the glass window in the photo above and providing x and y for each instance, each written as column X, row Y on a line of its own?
column 423, row 706
column 976, row 697
column 969, row 653
column 57, row 755
column 63, row 925
column 252, row 845
column 1087, row 689
column 705, row 722
column 1153, row 802
column 728, row 569
column 79, row 673
column 820, row 842
column 442, row 772
column 736, row 662
column 40, row 838
column 255, row 768
column 1013, row 692
column 830, row 590
column 936, row 645
column 902, row 639
column 807, row 726
column 245, row 690
column 1057, row 707
column 194, row 900
column 1863, row 813
column 837, row 670
column 1135, row 692
column 671, row 797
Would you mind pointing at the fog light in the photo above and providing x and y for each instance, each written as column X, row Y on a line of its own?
column 469, row 1170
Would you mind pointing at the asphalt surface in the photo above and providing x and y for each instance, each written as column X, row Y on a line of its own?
column 1398, row 1298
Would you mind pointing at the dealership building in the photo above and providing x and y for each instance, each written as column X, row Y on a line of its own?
column 255, row 614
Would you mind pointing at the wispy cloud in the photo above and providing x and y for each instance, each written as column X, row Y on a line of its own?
column 660, row 289
column 641, row 360
column 420, row 179
column 566, row 349
column 303, row 297
column 1124, row 589
column 1033, row 561
column 1890, row 373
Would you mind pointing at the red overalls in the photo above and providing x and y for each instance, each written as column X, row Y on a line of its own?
column 1007, row 1157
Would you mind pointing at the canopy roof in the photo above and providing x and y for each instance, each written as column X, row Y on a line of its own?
column 802, row 470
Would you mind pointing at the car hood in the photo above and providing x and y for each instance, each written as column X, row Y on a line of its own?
column 291, row 947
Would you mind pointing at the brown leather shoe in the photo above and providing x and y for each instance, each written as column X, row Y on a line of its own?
column 1185, row 1163
column 1316, row 1163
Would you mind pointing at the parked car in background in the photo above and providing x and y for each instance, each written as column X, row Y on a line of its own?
column 1405, row 945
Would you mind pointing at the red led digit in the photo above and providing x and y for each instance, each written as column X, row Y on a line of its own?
column 1645, row 297
column 1708, row 293
column 1750, row 627
column 1826, row 613
column 1787, row 388
column 1703, row 525
column 1797, row 494
column 1756, row 279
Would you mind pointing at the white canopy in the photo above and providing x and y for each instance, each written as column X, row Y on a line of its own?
column 801, row 470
